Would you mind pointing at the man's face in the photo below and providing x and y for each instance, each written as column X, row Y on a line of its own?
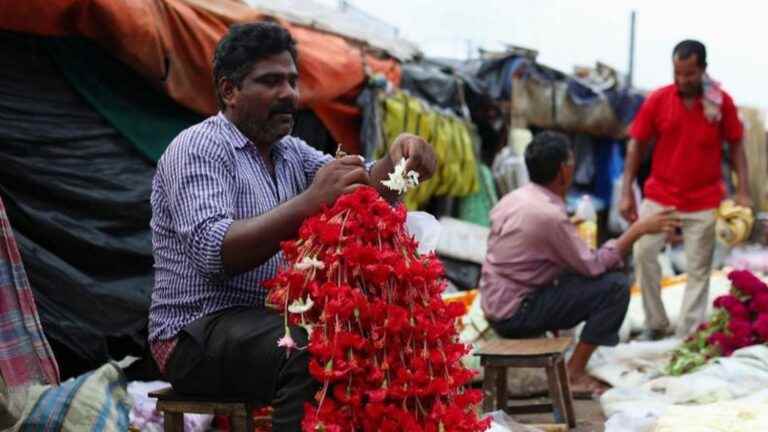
column 264, row 105
column 688, row 75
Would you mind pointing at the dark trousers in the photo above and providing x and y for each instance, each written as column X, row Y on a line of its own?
column 234, row 354
column 601, row 301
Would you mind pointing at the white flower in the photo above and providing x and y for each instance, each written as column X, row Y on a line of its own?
column 300, row 306
column 399, row 180
column 309, row 263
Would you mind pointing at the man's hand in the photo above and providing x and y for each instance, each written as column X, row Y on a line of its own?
column 665, row 221
column 743, row 199
column 628, row 206
column 336, row 178
column 419, row 153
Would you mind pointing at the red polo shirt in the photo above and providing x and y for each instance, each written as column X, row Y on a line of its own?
column 685, row 172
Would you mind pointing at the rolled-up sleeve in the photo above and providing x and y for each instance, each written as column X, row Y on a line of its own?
column 198, row 180
column 577, row 255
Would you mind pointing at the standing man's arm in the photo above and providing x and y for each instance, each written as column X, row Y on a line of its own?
column 739, row 161
column 643, row 129
column 635, row 152
column 733, row 132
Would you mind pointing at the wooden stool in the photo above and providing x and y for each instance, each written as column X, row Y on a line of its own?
column 174, row 406
column 498, row 355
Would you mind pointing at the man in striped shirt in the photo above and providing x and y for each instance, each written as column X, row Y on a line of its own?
column 226, row 192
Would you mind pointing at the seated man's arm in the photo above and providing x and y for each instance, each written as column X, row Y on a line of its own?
column 249, row 243
column 199, row 183
column 572, row 251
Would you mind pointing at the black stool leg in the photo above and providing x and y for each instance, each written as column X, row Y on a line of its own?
column 565, row 386
column 555, row 392
column 241, row 423
column 489, row 388
column 173, row 422
column 501, row 389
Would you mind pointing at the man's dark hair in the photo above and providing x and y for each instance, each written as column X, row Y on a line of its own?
column 689, row 47
column 545, row 154
column 244, row 45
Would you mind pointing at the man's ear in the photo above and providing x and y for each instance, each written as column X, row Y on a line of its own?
column 561, row 175
column 228, row 91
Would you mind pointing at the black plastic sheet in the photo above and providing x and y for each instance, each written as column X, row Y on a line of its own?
column 77, row 195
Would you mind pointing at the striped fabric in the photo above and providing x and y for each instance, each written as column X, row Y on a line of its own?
column 97, row 402
column 209, row 176
column 25, row 356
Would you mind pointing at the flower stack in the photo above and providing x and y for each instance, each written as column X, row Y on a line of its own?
column 383, row 344
column 740, row 320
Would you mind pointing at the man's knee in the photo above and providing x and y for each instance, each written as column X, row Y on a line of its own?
column 617, row 284
column 646, row 250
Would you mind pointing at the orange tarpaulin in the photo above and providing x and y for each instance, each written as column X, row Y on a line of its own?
column 171, row 44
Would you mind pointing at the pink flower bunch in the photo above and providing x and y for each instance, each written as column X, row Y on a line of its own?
column 740, row 320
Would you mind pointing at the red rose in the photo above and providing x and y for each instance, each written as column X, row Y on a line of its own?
column 733, row 305
column 740, row 328
column 747, row 283
column 723, row 342
column 759, row 302
column 760, row 326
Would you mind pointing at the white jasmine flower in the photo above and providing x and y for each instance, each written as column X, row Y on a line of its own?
column 309, row 263
column 300, row 306
column 399, row 180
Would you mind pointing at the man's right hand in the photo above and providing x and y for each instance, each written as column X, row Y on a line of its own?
column 336, row 178
column 665, row 221
column 628, row 206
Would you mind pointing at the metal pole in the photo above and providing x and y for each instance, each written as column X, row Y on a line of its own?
column 631, row 72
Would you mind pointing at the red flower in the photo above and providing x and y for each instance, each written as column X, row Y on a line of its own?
column 384, row 345
column 740, row 328
column 747, row 283
column 725, row 343
column 759, row 302
column 733, row 305
column 760, row 326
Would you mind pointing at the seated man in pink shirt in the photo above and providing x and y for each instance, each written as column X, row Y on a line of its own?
column 539, row 275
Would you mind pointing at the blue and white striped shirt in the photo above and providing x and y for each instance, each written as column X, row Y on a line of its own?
column 210, row 176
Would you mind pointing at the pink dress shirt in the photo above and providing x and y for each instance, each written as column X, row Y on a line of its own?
column 532, row 242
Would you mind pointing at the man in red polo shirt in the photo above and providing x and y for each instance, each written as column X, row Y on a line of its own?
column 688, row 120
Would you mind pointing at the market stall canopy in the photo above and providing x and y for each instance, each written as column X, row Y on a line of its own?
column 346, row 20
column 171, row 42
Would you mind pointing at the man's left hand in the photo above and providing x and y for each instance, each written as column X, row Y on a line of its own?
column 419, row 153
column 743, row 199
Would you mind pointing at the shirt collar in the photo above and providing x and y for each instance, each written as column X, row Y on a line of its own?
column 551, row 197
column 239, row 140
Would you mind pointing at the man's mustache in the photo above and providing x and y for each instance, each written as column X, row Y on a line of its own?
column 283, row 108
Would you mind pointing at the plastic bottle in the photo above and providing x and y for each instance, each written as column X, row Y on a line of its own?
column 587, row 228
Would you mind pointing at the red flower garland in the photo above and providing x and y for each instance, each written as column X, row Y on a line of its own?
column 383, row 343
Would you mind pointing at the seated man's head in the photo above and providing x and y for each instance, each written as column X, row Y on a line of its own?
column 256, row 80
column 549, row 160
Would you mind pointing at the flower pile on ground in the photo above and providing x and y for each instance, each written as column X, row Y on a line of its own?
column 740, row 320
column 383, row 344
